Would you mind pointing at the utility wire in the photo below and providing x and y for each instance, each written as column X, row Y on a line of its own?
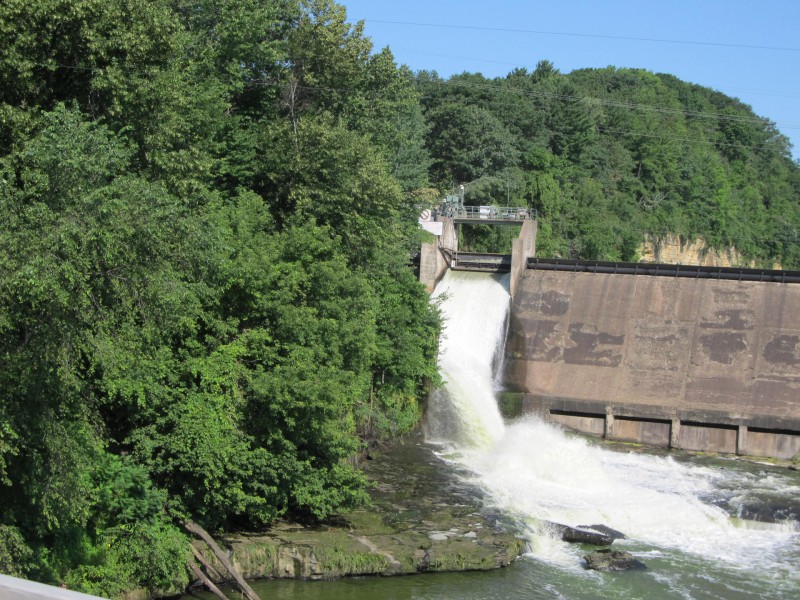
column 454, row 81
column 375, row 94
column 632, row 105
column 584, row 35
column 599, row 127
column 517, row 65
column 422, row 95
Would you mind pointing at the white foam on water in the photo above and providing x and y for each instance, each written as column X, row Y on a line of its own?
column 475, row 306
column 534, row 470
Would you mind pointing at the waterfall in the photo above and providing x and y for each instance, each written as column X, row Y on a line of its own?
column 475, row 306
column 539, row 473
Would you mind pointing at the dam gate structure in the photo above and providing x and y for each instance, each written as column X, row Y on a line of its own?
column 437, row 257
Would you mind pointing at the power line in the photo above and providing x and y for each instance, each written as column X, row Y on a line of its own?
column 517, row 65
column 526, row 93
column 619, row 132
column 753, row 120
column 585, row 35
column 495, row 88
column 600, row 128
column 606, row 102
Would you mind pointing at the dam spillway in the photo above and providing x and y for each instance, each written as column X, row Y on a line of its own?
column 699, row 364
column 679, row 518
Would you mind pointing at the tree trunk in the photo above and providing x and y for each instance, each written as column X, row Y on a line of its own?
column 202, row 560
column 194, row 528
column 206, row 581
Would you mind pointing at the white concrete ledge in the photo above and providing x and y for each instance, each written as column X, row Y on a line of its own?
column 22, row 589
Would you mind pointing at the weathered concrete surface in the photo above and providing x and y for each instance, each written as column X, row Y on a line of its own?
column 432, row 261
column 521, row 249
column 669, row 355
column 432, row 265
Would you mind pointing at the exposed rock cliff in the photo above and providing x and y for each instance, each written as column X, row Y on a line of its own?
column 675, row 249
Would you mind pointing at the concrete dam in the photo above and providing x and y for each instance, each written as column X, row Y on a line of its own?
column 696, row 358
column 696, row 363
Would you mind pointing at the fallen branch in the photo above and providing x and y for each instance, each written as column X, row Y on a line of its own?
column 202, row 560
column 206, row 581
column 194, row 528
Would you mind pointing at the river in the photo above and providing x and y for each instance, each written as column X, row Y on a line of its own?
column 706, row 527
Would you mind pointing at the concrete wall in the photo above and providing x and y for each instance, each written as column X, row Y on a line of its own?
column 694, row 363
column 449, row 239
column 432, row 261
column 432, row 265
column 521, row 249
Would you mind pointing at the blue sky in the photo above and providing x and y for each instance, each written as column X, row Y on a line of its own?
column 747, row 49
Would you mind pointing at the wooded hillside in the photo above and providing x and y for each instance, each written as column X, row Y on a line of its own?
column 607, row 156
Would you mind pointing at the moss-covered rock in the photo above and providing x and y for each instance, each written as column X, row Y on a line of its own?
column 423, row 518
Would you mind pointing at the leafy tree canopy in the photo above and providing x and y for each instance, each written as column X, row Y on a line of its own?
column 206, row 307
column 609, row 156
column 208, row 210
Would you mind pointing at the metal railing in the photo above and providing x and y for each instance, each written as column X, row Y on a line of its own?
column 13, row 587
column 489, row 213
column 664, row 270
column 477, row 261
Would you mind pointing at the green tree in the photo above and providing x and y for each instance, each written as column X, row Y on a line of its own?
column 468, row 142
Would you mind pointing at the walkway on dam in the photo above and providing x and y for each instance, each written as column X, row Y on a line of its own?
column 501, row 263
column 664, row 270
column 490, row 215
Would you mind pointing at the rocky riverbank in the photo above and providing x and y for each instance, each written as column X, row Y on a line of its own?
column 422, row 519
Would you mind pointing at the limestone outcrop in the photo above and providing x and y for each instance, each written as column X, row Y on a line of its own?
column 676, row 250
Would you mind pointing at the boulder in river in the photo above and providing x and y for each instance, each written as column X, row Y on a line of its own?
column 580, row 535
column 612, row 560
column 612, row 533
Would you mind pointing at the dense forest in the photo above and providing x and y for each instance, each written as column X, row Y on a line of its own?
column 208, row 213
column 206, row 308
column 610, row 156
